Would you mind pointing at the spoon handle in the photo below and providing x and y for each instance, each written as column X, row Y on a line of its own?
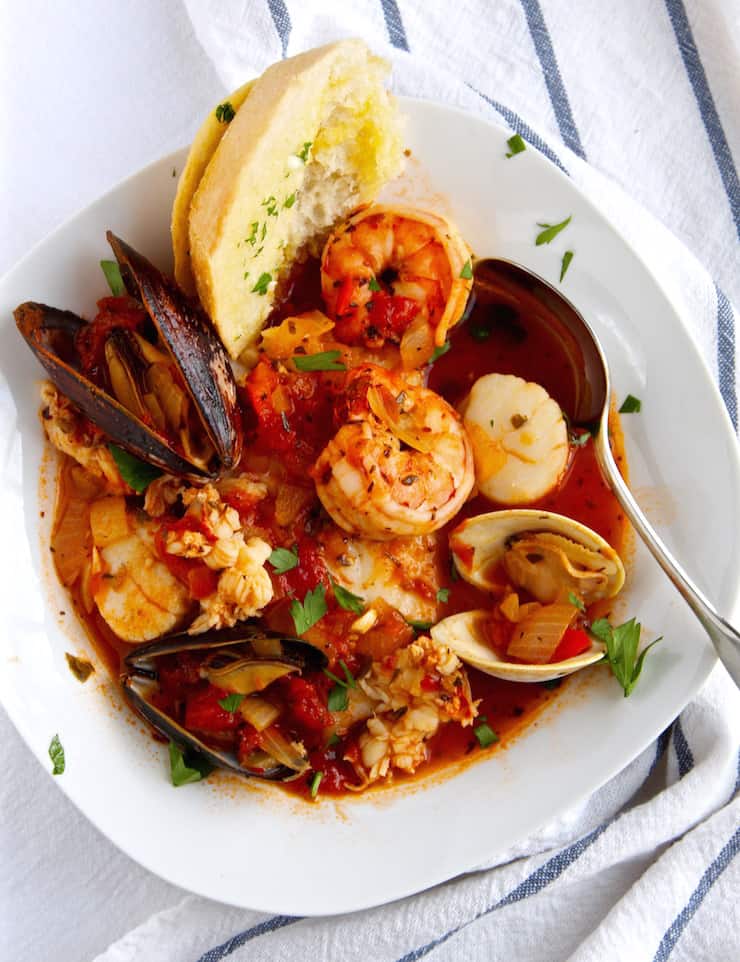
column 725, row 638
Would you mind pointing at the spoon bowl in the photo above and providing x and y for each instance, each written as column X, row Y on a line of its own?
column 587, row 405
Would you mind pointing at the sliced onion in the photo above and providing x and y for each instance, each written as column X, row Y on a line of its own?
column 246, row 677
column 417, row 344
column 303, row 330
column 385, row 407
column 108, row 520
column 537, row 637
column 259, row 713
column 283, row 751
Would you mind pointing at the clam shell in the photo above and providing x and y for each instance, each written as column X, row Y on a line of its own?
column 479, row 545
column 464, row 634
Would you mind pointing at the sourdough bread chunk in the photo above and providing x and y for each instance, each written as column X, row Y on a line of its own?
column 317, row 135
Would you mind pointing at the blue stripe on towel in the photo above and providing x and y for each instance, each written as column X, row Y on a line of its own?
column 281, row 19
column 726, row 354
column 661, row 745
column 262, row 928
column 555, row 87
column 533, row 884
column 673, row 934
column 394, row 24
column 684, row 755
column 521, row 127
column 707, row 109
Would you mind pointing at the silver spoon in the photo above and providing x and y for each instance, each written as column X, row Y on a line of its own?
column 503, row 282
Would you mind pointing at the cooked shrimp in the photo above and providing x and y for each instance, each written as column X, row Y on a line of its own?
column 392, row 270
column 519, row 438
column 402, row 465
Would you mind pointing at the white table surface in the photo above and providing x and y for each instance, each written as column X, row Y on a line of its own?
column 65, row 891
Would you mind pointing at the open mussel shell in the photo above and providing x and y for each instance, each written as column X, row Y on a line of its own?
column 464, row 633
column 193, row 346
column 250, row 649
column 540, row 551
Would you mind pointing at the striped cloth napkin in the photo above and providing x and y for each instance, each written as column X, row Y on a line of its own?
column 646, row 94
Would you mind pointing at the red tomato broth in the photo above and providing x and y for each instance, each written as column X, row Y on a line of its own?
column 511, row 347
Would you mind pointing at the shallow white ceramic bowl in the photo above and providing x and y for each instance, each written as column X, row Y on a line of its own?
column 249, row 844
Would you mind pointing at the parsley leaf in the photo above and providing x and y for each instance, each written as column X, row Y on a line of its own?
column 621, row 650
column 289, row 201
column 631, row 405
column 467, row 272
column 551, row 231
column 186, row 769
column 578, row 440
column 231, row 702
column 284, row 559
column 263, row 283
column 485, row 734
column 312, row 609
column 315, row 782
column 480, row 332
column 338, row 698
column 443, row 595
column 137, row 474
column 349, row 679
column 347, row 600
column 303, row 154
column 225, row 113
column 419, row 626
column 576, row 601
column 439, row 351
column 113, row 275
column 567, row 258
column 324, row 361
column 373, row 284
column 56, row 754
column 516, row 145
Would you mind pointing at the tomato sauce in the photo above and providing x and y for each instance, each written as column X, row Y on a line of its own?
column 293, row 417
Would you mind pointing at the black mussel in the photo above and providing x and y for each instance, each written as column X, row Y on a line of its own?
column 244, row 660
column 185, row 421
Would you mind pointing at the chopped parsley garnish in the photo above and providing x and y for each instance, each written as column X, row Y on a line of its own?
column 225, row 113
column 578, row 440
column 439, row 351
column 289, row 201
column 467, row 272
column 231, row 702
column 480, row 332
column 516, row 145
column 315, row 782
column 56, row 754
column 306, row 614
column 349, row 679
column 567, row 258
column 333, row 739
column 272, row 211
column 621, row 650
column 185, row 769
column 551, row 231
column 80, row 667
column 137, row 474
column 113, row 275
column 347, row 600
column 283, row 559
column 576, row 601
column 373, row 285
column 485, row 734
column 324, row 361
column 443, row 595
column 419, row 626
column 337, row 699
column 254, row 227
column 263, row 283
column 631, row 405
column 303, row 154
column 284, row 419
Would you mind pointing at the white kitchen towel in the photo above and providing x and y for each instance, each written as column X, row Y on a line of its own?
column 647, row 93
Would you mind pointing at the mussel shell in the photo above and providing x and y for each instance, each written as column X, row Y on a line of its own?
column 142, row 674
column 193, row 345
column 192, row 342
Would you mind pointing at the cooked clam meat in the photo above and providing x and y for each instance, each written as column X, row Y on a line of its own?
column 519, row 438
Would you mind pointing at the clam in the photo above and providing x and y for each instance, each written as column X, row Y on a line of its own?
column 171, row 400
column 544, row 553
column 465, row 634
column 244, row 660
